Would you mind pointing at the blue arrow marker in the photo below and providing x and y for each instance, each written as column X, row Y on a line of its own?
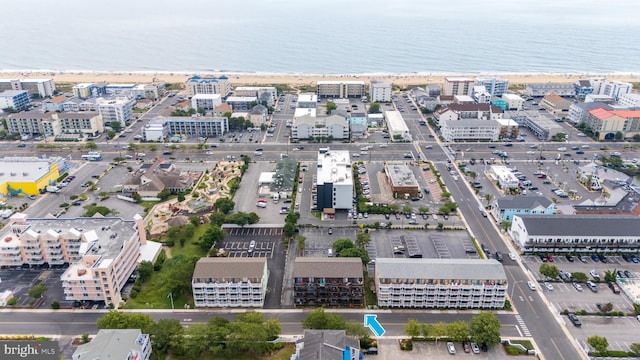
column 371, row 321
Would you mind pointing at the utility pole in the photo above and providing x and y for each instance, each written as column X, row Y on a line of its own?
column 171, row 297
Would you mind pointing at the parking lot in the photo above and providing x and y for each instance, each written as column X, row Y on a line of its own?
column 431, row 244
column 19, row 281
column 249, row 190
column 319, row 241
column 620, row 332
column 389, row 349
column 237, row 241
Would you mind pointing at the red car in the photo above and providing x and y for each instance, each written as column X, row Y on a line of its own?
column 550, row 258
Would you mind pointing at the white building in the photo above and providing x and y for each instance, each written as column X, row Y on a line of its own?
column 398, row 130
column 514, row 102
column 503, row 176
column 52, row 124
column 40, row 87
column 457, row 86
column 230, row 282
column 470, row 130
column 496, row 87
column 576, row 234
column 479, row 94
column 379, row 91
column 146, row 91
column 334, row 180
column 119, row 110
column 208, row 85
column 629, row 100
column 440, row 283
column 205, row 101
column 155, row 130
column 239, row 103
column 539, row 90
column 116, row 344
column 340, row 89
column 160, row 128
column 87, row 90
column 16, row 99
column 307, row 126
column 599, row 98
column 268, row 94
column 307, row 101
column 615, row 89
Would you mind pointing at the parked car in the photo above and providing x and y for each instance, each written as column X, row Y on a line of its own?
column 451, row 348
column 466, row 347
column 548, row 285
column 577, row 286
column 475, row 349
column 574, row 320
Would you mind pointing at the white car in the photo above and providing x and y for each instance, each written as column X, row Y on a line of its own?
column 577, row 286
column 548, row 285
column 531, row 285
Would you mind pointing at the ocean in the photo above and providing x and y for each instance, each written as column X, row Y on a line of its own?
column 322, row 37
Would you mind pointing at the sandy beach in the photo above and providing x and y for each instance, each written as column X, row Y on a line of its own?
column 401, row 80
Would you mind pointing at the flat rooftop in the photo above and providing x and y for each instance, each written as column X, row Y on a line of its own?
column 24, row 169
column 334, row 166
column 400, row 174
column 609, row 226
column 327, row 267
column 450, row 269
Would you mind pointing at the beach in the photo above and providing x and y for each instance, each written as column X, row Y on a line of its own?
column 248, row 79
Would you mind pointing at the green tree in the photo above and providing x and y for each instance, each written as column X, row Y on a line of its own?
column 342, row 244
column 217, row 218
column 458, row 331
column 407, row 209
column 394, row 208
column 356, row 252
column 181, row 197
column 485, row 328
column 374, row 108
column 331, row 106
column 288, row 229
column 192, row 342
column 611, row 275
column 619, row 135
column 37, row 291
column 120, row 320
column 115, row 125
column 413, row 328
column 550, row 271
column 320, row 320
column 163, row 332
column 91, row 145
column 506, row 225
column 145, row 270
column 177, row 280
column 436, row 330
column 488, row 198
column 355, row 328
column 579, row 276
column 599, row 343
column 635, row 349
column 423, row 209
column 363, row 239
column 636, row 137
column 224, row 205
column 448, row 207
column 164, row 194
column 213, row 235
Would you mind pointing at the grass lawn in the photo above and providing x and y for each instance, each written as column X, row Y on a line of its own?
column 190, row 248
column 370, row 299
column 282, row 354
column 525, row 343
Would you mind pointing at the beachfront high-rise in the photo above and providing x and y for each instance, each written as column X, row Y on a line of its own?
column 15, row 99
column 35, row 87
column 496, row 87
column 379, row 91
column 457, row 86
column 340, row 89
column 208, row 85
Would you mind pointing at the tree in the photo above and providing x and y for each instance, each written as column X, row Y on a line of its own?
column 636, row 137
column 115, row 125
column 363, row 239
column 355, row 328
column 488, row 198
column 619, row 135
column 191, row 343
column 177, row 280
column 145, row 269
column 163, row 332
column 37, row 291
column 413, row 328
column 374, row 108
column 210, row 237
column 288, row 229
column 320, row 320
column 181, row 197
column 506, row 225
column 356, row 252
column 407, row 209
column 394, row 208
column 579, row 276
column 423, row 209
column 217, row 218
column 224, row 205
column 635, row 349
column 331, row 106
column 342, row 244
column 611, row 275
column 458, row 331
column 448, row 207
column 550, row 271
column 606, row 308
column 119, row 320
column 91, row 145
column 599, row 343
column 485, row 328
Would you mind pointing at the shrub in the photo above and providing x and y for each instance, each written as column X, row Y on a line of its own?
column 133, row 294
column 406, row 344
column 512, row 350
column 55, row 305
column 12, row 301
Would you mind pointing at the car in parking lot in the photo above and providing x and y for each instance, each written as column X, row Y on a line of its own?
column 475, row 349
column 582, row 259
column 577, row 286
column 574, row 320
column 548, row 285
column 569, row 258
column 451, row 348
column 252, row 246
column 594, row 274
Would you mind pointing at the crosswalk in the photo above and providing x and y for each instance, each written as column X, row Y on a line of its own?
column 523, row 326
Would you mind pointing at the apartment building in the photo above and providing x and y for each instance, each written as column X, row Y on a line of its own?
column 119, row 90
column 53, row 124
column 340, row 89
column 267, row 94
column 539, row 90
column 36, row 87
column 576, row 234
column 397, row 127
column 457, row 86
column 206, row 101
column 468, row 111
column 629, row 100
column 259, row 115
column 555, row 104
column 440, row 283
column 334, row 179
column 505, row 208
column 358, row 125
column 241, row 103
column 116, row 344
column 118, row 110
column 470, row 130
column 102, row 253
column 230, row 282
column 328, row 281
column 208, row 85
column 615, row 89
column 479, row 94
column 15, row 99
column 327, row 345
column 606, row 123
column 200, row 126
column 583, row 88
column 578, row 111
column 494, row 86
column 541, row 126
column 87, row 90
column 600, row 98
column 309, row 126
column 379, row 91
column 513, row 101
column 307, row 101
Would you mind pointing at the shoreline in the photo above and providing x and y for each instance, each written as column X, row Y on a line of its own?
column 296, row 79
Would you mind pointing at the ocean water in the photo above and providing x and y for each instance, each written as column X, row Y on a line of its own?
column 322, row 37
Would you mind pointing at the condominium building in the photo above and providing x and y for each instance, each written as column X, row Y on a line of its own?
column 208, row 85
column 118, row 110
column 201, row 126
column 15, row 99
column 578, row 111
column 479, row 94
column 53, row 124
column 555, row 104
column 241, row 103
column 87, row 90
column 600, row 98
column 583, row 88
column 606, row 123
column 397, row 127
column 116, row 344
column 340, row 89
column 503, row 177
column 440, row 283
column 230, row 282
column 358, row 125
column 514, row 102
column 494, row 86
column 267, row 94
column 629, row 100
column 468, row 111
column 539, row 90
column 125, row 90
column 102, row 253
column 307, row 101
column 457, row 86
column 309, row 127
column 615, row 89
column 29, row 175
column 333, row 281
column 205, row 101
column 401, row 178
column 581, row 234
column 505, row 208
column 470, row 130
column 36, row 87
column 379, row 91
column 541, row 126
column 334, row 179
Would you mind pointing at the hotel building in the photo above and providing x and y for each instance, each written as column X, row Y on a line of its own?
column 340, row 89
column 334, row 180
column 328, row 281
